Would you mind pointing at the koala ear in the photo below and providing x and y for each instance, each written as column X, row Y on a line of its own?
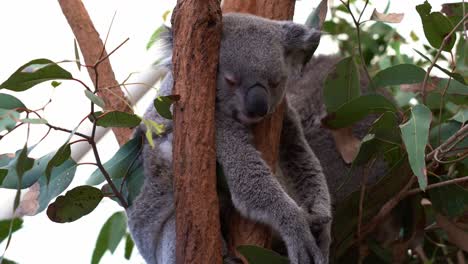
column 300, row 42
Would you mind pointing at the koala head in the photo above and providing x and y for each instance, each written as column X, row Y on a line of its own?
column 256, row 57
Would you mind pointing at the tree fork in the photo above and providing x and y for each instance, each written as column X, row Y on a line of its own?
column 197, row 35
column 267, row 133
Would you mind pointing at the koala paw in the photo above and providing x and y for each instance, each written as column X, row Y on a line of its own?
column 320, row 227
column 302, row 246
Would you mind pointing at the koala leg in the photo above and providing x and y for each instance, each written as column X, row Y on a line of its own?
column 151, row 218
column 257, row 194
column 303, row 173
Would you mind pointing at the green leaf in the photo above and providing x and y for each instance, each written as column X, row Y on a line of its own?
column 10, row 102
column 31, row 176
column 5, row 227
column 341, row 85
column 8, row 119
column 446, row 130
column 454, row 75
column 76, row 203
column 110, row 235
column 55, row 84
column 259, row 255
column 129, row 245
column 415, row 134
column 461, row 116
column 77, row 55
column 436, row 26
column 163, row 105
column 155, row 36
column 35, row 121
column 119, row 165
column 118, row 119
column 152, row 127
column 35, row 72
column 450, row 200
column 454, row 12
column 62, row 154
column 399, row 74
column 357, row 109
column 7, row 261
column 346, row 213
column 59, row 180
column 95, row 99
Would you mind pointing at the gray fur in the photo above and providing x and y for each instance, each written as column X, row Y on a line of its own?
column 255, row 53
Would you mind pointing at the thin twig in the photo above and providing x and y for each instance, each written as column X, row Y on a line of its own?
column 110, row 53
column 439, row 52
column 361, row 206
column 68, row 131
column 439, row 184
column 357, row 24
column 454, row 139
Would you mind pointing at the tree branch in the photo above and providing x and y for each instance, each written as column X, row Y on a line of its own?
column 94, row 54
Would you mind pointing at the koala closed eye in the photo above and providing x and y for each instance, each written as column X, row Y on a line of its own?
column 231, row 79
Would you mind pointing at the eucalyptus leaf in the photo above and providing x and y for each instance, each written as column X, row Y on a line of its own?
column 8, row 119
column 163, row 105
column 36, row 121
column 155, row 36
column 12, row 180
column 118, row 119
column 129, row 245
column 95, row 99
column 5, row 227
column 10, row 102
column 119, row 165
column 341, row 85
column 62, row 154
column 35, row 72
column 461, row 116
column 450, row 200
column 77, row 55
column 399, row 74
column 436, row 26
column 415, row 134
column 358, row 108
column 112, row 232
column 76, row 203
column 60, row 178
column 454, row 75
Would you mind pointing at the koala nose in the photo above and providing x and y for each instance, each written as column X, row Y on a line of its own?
column 257, row 101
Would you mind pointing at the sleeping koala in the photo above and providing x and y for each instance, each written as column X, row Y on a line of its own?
column 257, row 57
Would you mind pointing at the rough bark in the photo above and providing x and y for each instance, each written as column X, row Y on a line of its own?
column 93, row 50
column 267, row 133
column 197, row 35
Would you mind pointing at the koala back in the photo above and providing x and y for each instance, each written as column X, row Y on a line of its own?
column 306, row 94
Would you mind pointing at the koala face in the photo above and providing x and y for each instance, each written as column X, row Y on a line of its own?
column 256, row 57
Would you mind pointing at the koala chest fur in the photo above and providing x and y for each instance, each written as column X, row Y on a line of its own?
column 257, row 58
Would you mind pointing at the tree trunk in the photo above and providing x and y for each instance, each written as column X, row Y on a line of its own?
column 267, row 133
column 197, row 35
column 93, row 50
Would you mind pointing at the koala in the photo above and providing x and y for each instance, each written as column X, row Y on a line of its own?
column 257, row 58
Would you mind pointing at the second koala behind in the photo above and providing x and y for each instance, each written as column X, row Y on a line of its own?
column 257, row 57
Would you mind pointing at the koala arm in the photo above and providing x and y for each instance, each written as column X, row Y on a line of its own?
column 257, row 194
column 304, row 174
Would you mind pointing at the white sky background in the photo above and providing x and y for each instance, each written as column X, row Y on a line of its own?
column 38, row 29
